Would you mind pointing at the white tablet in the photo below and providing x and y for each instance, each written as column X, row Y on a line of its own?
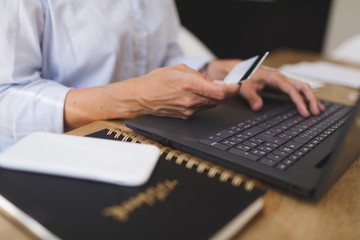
column 104, row 160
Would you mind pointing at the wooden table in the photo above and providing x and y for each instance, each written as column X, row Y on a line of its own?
column 335, row 216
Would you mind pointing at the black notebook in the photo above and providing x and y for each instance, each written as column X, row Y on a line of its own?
column 185, row 198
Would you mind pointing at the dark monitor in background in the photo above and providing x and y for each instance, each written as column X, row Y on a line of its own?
column 243, row 28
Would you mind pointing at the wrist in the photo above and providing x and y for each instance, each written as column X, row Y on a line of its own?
column 76, row 110
column 83, row 106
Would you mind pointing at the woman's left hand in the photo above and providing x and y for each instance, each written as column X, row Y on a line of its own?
column 299, row 92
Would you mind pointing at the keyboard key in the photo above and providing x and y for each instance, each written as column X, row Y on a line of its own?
column 282, row 167
column 256, row 140
column 305, row 136
column 259, row 152
column 207, row 141
column 275, row 130
column 316, row 141
column 274, row 157
column 243, row 154
column 293, row 144
column 225, row 133
column 293, row 157
column 305, row 149
column 271, row 145
column 285, row 136
column 246, row 126
column 253, row 131
column 243, row 147
column 299, row 153
column 268, row 162
column 251, row 122
column 310, row 145
column 286, row 149
column 229, row 143
column 259, row 119
column 264, row 148
column 266, row 133
column 214, row 144
column 280, row 153
column 236, row 139
column 236, row 129
column 270, row 139
column 250, row 144
column 242, row 136
column 241, row 124
column 288, row 161
column 265, row 125
column 292, row 132
column 214, row 138
column 300, row 140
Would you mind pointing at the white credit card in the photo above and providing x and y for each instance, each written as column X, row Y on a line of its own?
column 244, row 69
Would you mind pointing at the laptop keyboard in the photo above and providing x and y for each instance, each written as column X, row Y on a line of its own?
column 279, row 137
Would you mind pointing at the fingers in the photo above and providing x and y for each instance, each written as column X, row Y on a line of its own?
column 207, row 87
column 182, row 109
column 299, row 92
column 316, row 107
column 216, row 89
column 180, row 91
column 295, row 96
column 249, row 92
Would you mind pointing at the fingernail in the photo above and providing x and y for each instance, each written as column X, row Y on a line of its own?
column 305, row 111
column 256, row 106
column 322, row 107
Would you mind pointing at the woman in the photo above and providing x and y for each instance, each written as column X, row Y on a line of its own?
column 67, row 63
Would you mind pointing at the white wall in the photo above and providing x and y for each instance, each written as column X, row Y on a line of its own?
column 344, row 22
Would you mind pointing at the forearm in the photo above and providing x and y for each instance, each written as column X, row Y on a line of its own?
column 114, row 101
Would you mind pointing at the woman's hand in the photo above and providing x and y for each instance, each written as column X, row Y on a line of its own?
column 176, row 91
column 299, row 92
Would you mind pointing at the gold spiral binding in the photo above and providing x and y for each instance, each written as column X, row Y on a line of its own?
column 202, row 167
column 181, row 158
column 189, row 162
column 117, row 135
column 214, row 171
column 192, row 162
column 164, row 149
column 249, row 185
column 237, row 180
column 226, row 175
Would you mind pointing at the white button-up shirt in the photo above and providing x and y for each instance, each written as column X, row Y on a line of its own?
column 50, row 46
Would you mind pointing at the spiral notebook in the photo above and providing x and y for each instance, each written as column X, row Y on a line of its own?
column 185, row 198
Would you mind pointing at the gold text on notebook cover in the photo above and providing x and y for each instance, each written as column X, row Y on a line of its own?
column 150, row 196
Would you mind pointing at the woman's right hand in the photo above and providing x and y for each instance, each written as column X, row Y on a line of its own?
column 176, row 91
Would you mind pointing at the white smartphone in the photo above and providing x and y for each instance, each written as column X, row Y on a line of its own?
column 104, row 160
column 245, row 69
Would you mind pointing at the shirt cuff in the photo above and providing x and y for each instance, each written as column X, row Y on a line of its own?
column 37, row 106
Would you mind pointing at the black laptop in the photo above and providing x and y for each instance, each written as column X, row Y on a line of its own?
column 276, row 144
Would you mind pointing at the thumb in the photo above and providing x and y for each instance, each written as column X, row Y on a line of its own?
column 251, row 95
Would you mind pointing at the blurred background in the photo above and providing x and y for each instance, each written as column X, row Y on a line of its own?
column 243, row 28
